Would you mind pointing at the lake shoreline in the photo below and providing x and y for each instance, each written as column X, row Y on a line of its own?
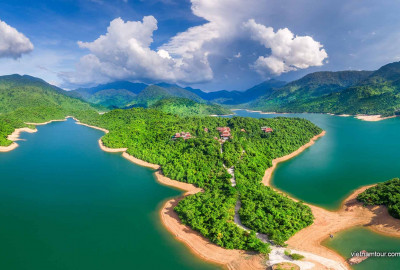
column 351, row 214
column 15, row 137
column 16, row 133
column 363, row 117
column 197, row 244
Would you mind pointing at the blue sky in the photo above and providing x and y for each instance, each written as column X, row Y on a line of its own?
column 210, row 44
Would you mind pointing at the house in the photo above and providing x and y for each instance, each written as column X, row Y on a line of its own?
column 267, row 129
column 243, row 130
column 183, row 135
column 205, row 129
column 225, row 133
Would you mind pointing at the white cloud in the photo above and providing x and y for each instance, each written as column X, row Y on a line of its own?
column 125, row 52
column 288, row 52
column 13, row 43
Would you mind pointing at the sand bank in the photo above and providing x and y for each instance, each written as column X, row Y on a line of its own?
column 15, row 137
column 373, row 118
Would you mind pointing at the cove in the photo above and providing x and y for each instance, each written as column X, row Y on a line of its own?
column 357, row 239
column 66, row 204
column 352, row 154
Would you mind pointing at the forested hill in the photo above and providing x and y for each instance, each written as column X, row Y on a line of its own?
column 127, row 95
column 309, row 87
column 28, row 99
column 149, row 135
column 375, row 92
column 188, row 107
column 238, row 97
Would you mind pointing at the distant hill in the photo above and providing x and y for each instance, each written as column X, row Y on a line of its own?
column 238, row 97
column 309, row 87
column 29, row 99
column 112, row 95
column 24, row 92
column 377, row 94
column 188, row 107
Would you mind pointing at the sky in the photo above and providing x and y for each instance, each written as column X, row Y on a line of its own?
column 206, row 44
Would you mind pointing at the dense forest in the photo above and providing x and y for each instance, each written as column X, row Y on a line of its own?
column 148, row 133
column 386, row 193
column 28, row 99
column 344, row 92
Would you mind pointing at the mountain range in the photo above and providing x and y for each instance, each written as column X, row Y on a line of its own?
column 341, row 92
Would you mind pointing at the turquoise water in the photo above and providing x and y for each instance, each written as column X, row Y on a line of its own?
column 352, row 154
column 358, row 239
column 65, row 204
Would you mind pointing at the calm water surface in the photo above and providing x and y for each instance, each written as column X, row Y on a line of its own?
column 65, row 204
column 353, row 153
column 358, row 239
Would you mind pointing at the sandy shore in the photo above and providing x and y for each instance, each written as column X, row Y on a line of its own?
column 200, row 246
column 268, row 173
column 373, row 118
column 352, row 213
column 15, row 137
column 48, row 122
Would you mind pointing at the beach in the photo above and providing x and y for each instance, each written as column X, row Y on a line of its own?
column 373, row 118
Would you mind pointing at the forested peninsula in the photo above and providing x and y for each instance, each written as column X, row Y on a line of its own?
column 201, row 160
column 197, row 156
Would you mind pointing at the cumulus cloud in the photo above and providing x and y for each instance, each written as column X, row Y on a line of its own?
column 125, row 51
column 13, row 43
column 288, row 52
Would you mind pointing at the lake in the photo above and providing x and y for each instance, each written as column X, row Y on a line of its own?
column 66, row 204
column 352, row 154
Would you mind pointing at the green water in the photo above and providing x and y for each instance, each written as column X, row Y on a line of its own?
column 65, row 204
column 352, row 154
column 358, row 239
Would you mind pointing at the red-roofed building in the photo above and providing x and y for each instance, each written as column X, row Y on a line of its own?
column 267, row 129
column 225, row 132
column 183, row 135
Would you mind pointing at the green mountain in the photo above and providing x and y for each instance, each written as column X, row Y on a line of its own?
column 29, row 99
column 188, row 107
column 310, row 87
column 377, row 94
column 238, row 97
column 111, row 95
column 112, row 98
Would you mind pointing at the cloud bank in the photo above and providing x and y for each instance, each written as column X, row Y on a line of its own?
column 288, row 52
column 13, row 43
column 125, row 51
